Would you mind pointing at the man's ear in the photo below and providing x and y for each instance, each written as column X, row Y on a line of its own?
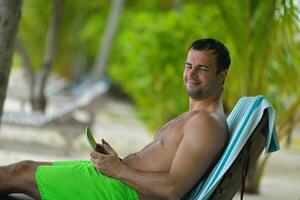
column 222, row 76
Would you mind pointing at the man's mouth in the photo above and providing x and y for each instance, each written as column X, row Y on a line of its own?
column 192, row 82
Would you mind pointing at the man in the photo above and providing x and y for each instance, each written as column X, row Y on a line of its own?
column 180, row 155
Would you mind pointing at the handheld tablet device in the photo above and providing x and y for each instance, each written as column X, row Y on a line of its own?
column 96, row 147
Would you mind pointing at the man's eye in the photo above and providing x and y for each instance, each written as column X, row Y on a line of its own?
column 203, row 68
column 188, row 66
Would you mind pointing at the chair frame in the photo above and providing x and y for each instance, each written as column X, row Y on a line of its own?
column 233, row 179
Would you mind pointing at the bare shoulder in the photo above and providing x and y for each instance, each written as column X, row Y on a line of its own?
column 204, row 123
column 205, row 132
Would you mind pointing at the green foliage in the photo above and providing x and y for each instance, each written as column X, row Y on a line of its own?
column 266, row 58
column 150, row 51
column 149, row 55
column 264, row 52
column 80, row 31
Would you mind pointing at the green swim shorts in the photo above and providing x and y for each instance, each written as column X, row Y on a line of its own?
column 79, row 180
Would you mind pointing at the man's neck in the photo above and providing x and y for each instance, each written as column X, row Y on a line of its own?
column 209, row 104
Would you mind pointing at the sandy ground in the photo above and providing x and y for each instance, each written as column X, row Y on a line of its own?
column 117, row 123
column 282, row 177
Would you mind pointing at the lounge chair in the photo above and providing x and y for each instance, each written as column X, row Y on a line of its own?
column 252, row 128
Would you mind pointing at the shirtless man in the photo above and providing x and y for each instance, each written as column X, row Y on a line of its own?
column 180, row 155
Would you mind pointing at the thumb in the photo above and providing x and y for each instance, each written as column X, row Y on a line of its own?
column 104, row 142
column 108, row 147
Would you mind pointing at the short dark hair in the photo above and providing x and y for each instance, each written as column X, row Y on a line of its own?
column 218, row 48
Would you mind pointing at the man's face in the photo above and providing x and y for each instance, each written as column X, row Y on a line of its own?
column 200, row 74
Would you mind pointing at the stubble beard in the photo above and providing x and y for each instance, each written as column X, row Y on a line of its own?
column 195, row 94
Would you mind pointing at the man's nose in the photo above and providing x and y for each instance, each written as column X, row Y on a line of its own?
column 192, row 72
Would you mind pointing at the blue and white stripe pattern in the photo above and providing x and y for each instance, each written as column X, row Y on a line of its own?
column 242, row 121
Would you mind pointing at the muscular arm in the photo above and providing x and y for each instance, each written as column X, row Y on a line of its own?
column 202, row 142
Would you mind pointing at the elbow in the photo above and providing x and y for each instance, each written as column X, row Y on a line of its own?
column 173, row 197
column 173, row 194
column 171, row 190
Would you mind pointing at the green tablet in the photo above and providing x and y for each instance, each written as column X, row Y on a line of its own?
column 96, row 147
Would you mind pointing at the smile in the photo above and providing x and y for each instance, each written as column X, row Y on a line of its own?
column 191, row 82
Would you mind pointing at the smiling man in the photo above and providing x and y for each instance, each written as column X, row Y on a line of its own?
column 180, row 155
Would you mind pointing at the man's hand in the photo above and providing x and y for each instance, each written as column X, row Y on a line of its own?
column 109, row 164
column 100, row 149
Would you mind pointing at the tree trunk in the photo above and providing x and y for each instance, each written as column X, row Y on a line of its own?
column 10, row 14
column 27, row 66
column 38, row 100
column 106, row 42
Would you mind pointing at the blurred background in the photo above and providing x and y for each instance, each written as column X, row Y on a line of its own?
column 116, row 66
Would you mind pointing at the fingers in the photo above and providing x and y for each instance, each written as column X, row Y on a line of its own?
column 96, row 163
column 104, row 142
column 97, row 158
column 101, row 149
column 108, row 148
column 96, row 154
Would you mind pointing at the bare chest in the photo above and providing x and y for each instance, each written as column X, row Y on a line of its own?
column 170, row 135
column 163, row 148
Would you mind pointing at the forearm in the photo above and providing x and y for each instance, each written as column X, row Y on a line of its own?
column 154, row 184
